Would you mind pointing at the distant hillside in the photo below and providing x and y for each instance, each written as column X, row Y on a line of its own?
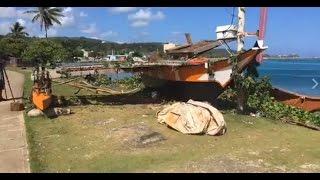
column 104, row 47
column 107, row 46
column 289, row 56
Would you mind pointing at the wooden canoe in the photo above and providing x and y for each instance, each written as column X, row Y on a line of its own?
column 308, row 103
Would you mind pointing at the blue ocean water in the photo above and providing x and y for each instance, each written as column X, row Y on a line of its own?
column 294, row 75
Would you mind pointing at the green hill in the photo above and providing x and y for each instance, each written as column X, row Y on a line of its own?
column 107, row 46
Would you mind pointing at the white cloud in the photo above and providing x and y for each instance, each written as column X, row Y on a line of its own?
column 52, row 32
column 21, row 21
column 120, row 42
column 122, row 9
column 143, row 17
column 92, row 29
column 146, row 15
column 5, row 28
column 22, row 14
column 109, row 34
column 12, row 12
column 139, row 23
column 7, row 12
column 68, row 9
column 159, row 15
column 68, row 19
column 83, row 14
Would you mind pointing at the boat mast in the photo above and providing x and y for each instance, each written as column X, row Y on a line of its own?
column 241, row 21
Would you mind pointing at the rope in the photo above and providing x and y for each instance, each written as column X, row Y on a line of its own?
column 232, row 18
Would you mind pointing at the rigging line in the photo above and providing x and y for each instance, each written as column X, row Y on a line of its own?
column 232, row 18
column 231, row 14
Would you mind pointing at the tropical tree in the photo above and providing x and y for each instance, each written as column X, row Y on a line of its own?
column 46, row 17
column 43, row 52
column 13, row 47
column 17, row 30
column 244, row 82
column 137, row 54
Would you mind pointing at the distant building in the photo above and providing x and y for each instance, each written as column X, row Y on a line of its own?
column 85, row 53
column 116, row 57
column 138, row 59
column 112, row 57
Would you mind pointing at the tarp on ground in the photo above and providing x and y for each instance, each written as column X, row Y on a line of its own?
column 193, row 117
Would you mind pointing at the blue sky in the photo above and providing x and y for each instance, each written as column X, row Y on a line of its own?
column 289, row 30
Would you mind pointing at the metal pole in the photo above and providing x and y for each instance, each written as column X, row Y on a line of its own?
column 5, row 73
column 5, row 91
column 241, row 22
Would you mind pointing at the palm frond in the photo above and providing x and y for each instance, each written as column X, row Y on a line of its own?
column 47, row 16
column 36, row 17
column 32, row 11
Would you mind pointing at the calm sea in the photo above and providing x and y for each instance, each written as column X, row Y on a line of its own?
column 294, row 75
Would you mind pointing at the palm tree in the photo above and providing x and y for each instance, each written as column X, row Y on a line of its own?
column 46, row 16
column 17, row 30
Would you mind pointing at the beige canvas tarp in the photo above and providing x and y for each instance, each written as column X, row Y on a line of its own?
column 193, row 117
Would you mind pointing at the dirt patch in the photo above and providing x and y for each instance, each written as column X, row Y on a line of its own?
column 103, row 122
column 137, row 135
column 307, row 167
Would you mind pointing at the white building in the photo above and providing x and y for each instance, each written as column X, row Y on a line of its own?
column 85, row 53
column 116, row 57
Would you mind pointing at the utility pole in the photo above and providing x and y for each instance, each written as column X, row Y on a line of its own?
column 241, row 32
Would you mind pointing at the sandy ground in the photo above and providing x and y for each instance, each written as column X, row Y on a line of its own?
column 13, row 143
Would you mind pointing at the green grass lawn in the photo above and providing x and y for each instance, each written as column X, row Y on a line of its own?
column 91, row 140
column 82, row 143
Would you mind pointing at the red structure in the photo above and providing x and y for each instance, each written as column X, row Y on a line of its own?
column 262, row 28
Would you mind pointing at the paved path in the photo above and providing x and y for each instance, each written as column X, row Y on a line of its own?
column 13, row 142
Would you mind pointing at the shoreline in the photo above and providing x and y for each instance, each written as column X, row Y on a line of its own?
column 300, row 58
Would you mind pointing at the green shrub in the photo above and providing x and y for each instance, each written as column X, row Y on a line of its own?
column 260, row 100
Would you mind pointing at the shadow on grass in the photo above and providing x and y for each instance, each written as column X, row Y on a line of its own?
column 165, row 94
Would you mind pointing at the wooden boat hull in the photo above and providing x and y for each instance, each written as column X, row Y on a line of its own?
column 307, row 103
column 180, row 90
column 198, row 70
column 41, row 100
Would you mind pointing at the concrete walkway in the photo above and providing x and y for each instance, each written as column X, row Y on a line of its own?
column 14, row 155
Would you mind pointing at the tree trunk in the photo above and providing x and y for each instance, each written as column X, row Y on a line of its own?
column 241, row 99
column 46, row 33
